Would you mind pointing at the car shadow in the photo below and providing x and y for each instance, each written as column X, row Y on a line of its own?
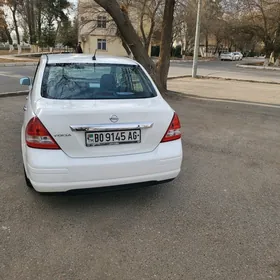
column 120, row 196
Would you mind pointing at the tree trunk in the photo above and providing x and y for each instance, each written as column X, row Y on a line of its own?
column 142, row 24
column 166, row 42
column 57, row 31
column 266, row 62
column 39, row 19
column 11, row 48
column 33, row 21
column 126, row 47
column 120, row 16
column 8, row 34
column 124, row 44
column 206, row 43
column 149, row 37
column 28, row 20
column 14, row 11
column 268, row 47
column 19, row 48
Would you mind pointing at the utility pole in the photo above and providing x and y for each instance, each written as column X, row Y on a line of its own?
column 197, row 36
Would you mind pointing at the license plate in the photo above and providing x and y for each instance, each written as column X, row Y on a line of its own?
column 113, row 137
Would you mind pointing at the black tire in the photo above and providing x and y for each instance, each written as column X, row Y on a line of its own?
column 27, row 181
column 165, row 181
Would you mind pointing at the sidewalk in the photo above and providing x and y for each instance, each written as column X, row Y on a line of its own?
column 12, row 60
column 228, row 90
column 23, row 57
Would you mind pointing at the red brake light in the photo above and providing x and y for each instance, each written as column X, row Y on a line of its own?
column 37, row 136
column 173, row 132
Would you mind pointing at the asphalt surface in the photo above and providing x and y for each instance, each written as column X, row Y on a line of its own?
column 9, row 76
column 226, row 69
column 219, row 220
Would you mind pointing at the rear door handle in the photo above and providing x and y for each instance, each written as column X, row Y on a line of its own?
column 24, row 108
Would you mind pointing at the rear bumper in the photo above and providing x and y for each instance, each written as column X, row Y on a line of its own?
column 53, row 171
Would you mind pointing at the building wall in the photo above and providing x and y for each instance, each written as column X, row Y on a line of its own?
column 114, row 45
column 89, row 32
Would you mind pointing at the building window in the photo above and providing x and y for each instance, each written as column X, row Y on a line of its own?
column 102, row 44
column 101, row 22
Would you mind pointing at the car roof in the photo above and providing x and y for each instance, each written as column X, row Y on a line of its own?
column 86, row 58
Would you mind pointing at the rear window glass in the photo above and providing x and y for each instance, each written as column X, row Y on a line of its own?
column 96, row 81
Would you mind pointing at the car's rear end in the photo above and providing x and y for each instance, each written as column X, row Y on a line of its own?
column 238, row 56
column 227, row 56
column 98, row 123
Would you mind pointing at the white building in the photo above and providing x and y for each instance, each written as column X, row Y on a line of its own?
column 97, row 30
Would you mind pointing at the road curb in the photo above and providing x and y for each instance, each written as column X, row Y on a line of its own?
column 16, row 93
column 179, row 77
column 225, row 79
column 258, row 67
column 191, row 61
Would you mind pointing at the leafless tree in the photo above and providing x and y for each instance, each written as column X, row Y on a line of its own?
column 119, row 14
column 14, row 7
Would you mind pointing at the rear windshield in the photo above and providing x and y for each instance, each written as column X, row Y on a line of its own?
column 96, row 81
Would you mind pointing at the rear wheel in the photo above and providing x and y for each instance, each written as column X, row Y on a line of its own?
column 27, row 181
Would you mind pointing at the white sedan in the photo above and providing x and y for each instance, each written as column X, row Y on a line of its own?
column 231, row 56
column 227, row 56
column 238, row 56
column 96, row 122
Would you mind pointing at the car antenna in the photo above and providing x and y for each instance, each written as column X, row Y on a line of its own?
column 94, row 57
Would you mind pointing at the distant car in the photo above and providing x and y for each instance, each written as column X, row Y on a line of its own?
column 96, row 122
column 227, row 56
column 238, row 56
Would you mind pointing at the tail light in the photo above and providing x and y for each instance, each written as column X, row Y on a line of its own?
column 173, row 132
column 37, row 136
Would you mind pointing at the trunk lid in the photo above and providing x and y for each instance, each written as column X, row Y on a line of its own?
column 153, row 115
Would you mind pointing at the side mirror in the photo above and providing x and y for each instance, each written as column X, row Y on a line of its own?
column 25, row 81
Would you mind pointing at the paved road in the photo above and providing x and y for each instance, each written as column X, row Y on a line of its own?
column 226, row 69
column 219, row 220
column 9, row 76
